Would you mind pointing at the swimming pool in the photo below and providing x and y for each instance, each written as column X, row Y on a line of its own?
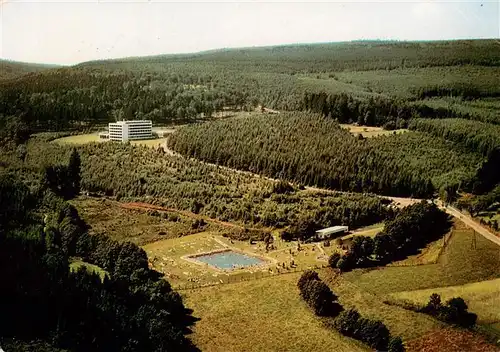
column 228, row 259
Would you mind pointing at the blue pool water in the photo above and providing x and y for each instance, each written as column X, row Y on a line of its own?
column 229, row 260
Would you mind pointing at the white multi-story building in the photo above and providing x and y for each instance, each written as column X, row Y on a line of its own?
column 130, row 130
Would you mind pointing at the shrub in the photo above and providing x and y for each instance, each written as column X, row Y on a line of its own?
column 346, row 262
column 318, row 295
column 347, row 322
column 374, row 333
column 333, row 260
column 454, row 312
column 396, row 345
column 307, row 276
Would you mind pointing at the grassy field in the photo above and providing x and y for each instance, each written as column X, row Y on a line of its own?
column 371, row 305
column 483, row 298
column 138, row 226
column 458, row 264
column 428, row 255
column 369, row 231
column 80, row 139
column 370, row 131
column 260, row 315
column 94, row 137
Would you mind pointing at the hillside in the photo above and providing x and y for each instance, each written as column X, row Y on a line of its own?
column 183, row 88
column 316, row 151
column 12, row 69
column 356, row 55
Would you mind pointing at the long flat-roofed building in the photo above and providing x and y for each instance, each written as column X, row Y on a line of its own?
column 330, row 231
column 130, row 130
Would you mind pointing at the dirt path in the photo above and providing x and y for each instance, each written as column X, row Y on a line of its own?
column 398, row 201
column 147, row 206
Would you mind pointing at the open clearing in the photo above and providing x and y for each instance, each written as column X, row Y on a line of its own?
column 167, row 256
column 94, row 137
column 468, row 257
column 483, row 298
column 137, row 226
column 370, row 131
column 371, row 305
column 261, row 315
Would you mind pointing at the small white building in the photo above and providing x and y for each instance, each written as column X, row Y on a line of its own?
column 130, row 130
column 327, row 233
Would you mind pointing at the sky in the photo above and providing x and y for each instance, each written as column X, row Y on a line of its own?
column 69, row 32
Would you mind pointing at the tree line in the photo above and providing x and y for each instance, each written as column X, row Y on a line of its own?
column 378, row 110
column 131, row 309
column 324, row 303
column 411, row 229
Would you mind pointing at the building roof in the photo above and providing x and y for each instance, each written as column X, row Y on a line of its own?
column 333, row 229
column 131, row 122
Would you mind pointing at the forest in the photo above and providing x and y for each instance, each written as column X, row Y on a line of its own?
column 442, row 98
column 183, row 88
column 312, row 150
column 140, row 173
column 131, row 309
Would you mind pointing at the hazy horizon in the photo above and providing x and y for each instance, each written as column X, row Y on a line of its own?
column 74, row 32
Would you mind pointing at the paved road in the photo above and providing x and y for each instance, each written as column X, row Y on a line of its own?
column 399, row 201
column 467, row 220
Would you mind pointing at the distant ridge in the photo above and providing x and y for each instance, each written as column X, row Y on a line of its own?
column 12, row 69
column 310, row 46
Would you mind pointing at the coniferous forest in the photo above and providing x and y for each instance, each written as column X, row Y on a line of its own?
column 316, row 151
column 280, row 140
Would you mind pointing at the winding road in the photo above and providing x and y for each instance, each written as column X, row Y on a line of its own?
column 399, row 201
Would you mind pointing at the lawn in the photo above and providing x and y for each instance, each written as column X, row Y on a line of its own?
column 80, row 139
column 401, row 322
column 458, row 264
column 483, row 298
column 167, row 257
column 260, row 315
column 94, row 137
